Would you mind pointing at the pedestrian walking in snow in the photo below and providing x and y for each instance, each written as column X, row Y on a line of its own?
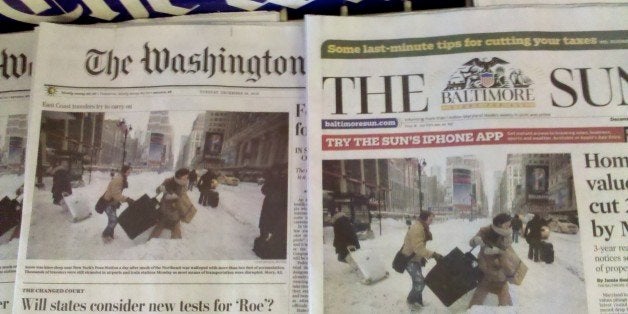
column 193, row 178
column 61, row 183
column 20, row 202
column 112, row 199
column 532, row 235
column 205, row 185
column 415, row 245
column 495, row 249
column 516, row 225
column 345, row 238
column 274, row 215
column 175, row 205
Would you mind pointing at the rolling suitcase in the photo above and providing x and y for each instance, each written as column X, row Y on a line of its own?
column 370, row 267
column 453, row 276
column 8, row 214
column 212, row 198
column 547, row 252
column 78, row 206
column 273, row 248
column 139, row 216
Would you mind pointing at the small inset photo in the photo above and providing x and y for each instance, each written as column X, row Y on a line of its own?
column 161, row 185
column 13, row 129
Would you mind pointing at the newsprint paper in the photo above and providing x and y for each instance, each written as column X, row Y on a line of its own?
column 477, row 116
column 16, row 53
column 166, row 171
column 16, row 70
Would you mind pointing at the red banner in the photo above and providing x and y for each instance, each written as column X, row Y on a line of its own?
column 474, row 137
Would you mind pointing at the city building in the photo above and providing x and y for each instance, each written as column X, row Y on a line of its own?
column 464, row 186
column 194, row 143
column 15, row 142
column 538, row 184
column 561, row 186
column 71, row 136
column 159, row 141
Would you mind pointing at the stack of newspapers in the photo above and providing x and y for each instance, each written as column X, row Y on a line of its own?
column 232, row 163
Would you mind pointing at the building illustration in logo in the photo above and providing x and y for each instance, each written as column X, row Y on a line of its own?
column 487, row 83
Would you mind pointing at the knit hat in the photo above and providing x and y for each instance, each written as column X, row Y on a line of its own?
column 501, row 219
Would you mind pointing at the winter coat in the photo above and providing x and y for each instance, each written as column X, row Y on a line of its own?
column 205, row 181
column 415, row 242
column 193, row 176
column 533, row 229
column 495, row 255
column 274, row 214
column 113, row 194
column 344, row 234
column 61, row 183
column 516, row 224
column 175, row 204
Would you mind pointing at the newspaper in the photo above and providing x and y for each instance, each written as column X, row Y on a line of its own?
column 16, row 72
column 16, row 54
column 226, row 102
column 469, row 114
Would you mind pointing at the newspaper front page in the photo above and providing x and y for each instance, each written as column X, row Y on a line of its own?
column 475, row 116
column 166, row 171
column 16, row 54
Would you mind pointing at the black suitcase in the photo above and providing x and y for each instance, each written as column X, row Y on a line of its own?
column 272, row 248
column 547, row 252
column 139, row 216
column 9, row 216
column 212, row 198
column 454, row 276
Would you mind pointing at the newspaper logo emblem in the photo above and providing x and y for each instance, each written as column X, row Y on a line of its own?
column 487, row 79
column 51, row 90
column 487, row 83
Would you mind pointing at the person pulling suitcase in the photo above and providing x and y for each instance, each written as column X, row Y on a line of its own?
column 205, row 186
column 61, row 183
column 345, row 238
column 111, row 200
column 415, row 243
column 175, row 205
column 494, row 241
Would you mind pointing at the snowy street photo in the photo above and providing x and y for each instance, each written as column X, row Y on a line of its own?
column 161, row 185
column 12, row 146
column 494, row 233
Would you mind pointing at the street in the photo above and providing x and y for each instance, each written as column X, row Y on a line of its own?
column 547, row 288
column 222, row 233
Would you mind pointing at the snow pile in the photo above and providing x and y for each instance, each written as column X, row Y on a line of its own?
column 9, row 250
column 9, row 183
column 222, row 233
column 547, row 288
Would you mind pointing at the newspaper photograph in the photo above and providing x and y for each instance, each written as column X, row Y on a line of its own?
column 475, row 167
column 16, row 55
column 166, row 174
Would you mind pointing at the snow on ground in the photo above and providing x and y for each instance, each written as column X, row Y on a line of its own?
column 8, row 250
column 547, row 288
column 222, row 233
column 9, row 183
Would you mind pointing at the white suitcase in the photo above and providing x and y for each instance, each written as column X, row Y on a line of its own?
column 79, row 207
column 369, row 266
